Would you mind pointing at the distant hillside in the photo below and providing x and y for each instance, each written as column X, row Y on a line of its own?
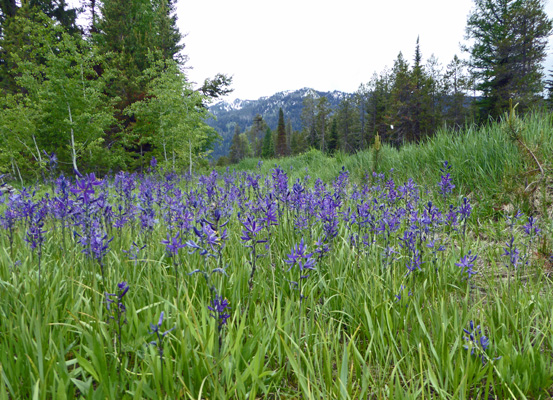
column 241, row 112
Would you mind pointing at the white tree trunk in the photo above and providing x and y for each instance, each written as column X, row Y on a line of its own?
column 73, row 150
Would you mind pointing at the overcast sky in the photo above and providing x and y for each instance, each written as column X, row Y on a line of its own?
column 323, row 44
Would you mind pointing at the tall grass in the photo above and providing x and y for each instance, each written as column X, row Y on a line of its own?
column 487, row 162
column 365, row 328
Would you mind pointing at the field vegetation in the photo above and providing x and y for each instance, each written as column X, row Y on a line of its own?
column 417, row 273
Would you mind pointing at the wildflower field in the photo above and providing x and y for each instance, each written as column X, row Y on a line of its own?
column 256, row 285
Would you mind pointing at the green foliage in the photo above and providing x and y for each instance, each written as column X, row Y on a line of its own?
column 361, row 331
column 240, row 147
column 333, row 140
column 170, row 119
column 487, row 162
column 61, row 106
column 281, row 149
column 510, row 39
column 268, row 150
column 102, row 103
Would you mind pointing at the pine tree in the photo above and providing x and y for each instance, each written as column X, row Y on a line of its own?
column 456, row 83
column 333, row 139
column 309, row 119
column 237, row 148
column 281, row 150
column 256, row 135
column 323, row 112
column 136, row 35
column 289, row 132
column 268, row 150
column 400, row 113
column 378, row 105
column 509, row 45
column 346, row 119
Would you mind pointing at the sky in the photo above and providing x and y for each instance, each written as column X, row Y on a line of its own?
column 326, row 45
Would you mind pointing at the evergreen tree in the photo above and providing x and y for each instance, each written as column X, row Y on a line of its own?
column 456, row 85
column 346, row 119
column 309, row 119
column 289, row 132
column 281, row 150
column 268, row 150
column 434, row 94
column 256, row 135
column 136, row 35
column 509, row 44
column 362, row 100
column 239, row 147
column 400, row 113
column 333, row 139
column 298, row 143
column 378, row 105
column 323, row 112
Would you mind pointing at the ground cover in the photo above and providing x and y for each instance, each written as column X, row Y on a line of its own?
column 274, row 283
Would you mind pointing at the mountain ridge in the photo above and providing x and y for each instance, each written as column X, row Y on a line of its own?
column 229, row 113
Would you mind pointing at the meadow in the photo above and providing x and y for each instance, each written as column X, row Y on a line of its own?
column 419, row 273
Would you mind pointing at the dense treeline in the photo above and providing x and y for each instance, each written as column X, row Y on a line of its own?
column 412, row 100
column 106, row 97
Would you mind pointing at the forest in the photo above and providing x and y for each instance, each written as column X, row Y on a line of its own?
column 111, row 93
column 413, row 100
column 107, row 96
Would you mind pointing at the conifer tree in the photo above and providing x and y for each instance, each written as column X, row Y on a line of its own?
column 323, row 112
column 268, row 150
column 281, row 150
column 238, row 149
column 256, row 135
column 400, row 113
column 378, row 105
column 333, row 139
column 309, row 119
column 456, row 85
column 289, row 132
column 346, row 119
column 509, row 44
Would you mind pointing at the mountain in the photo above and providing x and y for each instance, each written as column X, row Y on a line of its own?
column 229, row 113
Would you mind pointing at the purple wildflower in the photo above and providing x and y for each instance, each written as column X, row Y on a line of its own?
column 219, row 307
column 512, row 252
column 300, row 258
column 173, row 244
column 530, row 229
column 478, row 342
column 446, row 186
column 466, row 263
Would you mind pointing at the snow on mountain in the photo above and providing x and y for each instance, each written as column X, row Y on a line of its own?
column 241, row 112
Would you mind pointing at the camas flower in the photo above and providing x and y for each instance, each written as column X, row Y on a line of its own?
column 219, row 307
column 512, row 252
column 445, row 184
column 466, row 263
column 300, row 258
column 173, row 244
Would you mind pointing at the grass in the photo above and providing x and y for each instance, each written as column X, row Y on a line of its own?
column 364, row 328
column 488, row 165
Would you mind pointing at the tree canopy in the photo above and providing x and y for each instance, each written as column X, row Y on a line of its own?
column 108, row 100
